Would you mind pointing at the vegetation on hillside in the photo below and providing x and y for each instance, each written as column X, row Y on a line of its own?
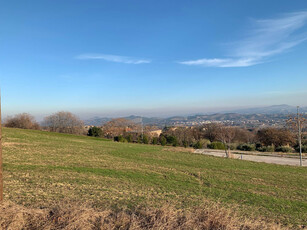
column 213, row 135
column 79, row 216
column 22, row 121
column 43, row 167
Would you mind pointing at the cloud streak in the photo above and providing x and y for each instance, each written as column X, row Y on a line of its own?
column 113, row 58
column 220, row 62
column 266, row 38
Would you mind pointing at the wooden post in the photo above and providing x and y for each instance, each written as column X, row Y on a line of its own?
column 1, row 169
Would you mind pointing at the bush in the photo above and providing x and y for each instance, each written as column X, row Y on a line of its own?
column 155, row 140
column 175, row 143
column 284, row 149
column 205, row 142
column 120, row 138
column 145, row 139
column 22, row 121
column 304, row 149
column 140, row 139
column 198, row 145
column 185, row 144
column 129, row 138
column 172, row 140
column 233, row 146
column 216, row 145
column 247, row 147
column 269, row 148
column 95, row 132
column 163, row 140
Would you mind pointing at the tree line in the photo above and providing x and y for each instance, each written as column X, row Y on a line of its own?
column 213, row 135
column 62, row 122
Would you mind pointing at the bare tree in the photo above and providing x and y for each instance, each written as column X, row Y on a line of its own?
column 120, row 126
column 244, row 136
column 297, row 123
column 64, row 122
column 185, row 135
column 226, row 135
column 22, row 121
column 276, row 137
column 211, row 131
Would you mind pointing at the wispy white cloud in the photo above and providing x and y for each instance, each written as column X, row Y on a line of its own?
column 113, row 58
column 266, row 38
column 227, row 62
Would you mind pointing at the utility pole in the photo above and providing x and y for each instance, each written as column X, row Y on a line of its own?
column 1, row 169
column 299, row 136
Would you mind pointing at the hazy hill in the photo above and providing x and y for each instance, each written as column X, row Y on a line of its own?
column 98, row 121
column 274, row 109
column 274, row 112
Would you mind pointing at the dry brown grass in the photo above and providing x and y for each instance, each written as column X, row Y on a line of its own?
column 178, row 149
column 75, row 216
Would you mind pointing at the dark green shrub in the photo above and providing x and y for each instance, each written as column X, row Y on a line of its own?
column 95, row 132
column 163, row 140
column 175, row 143
column 284, row 149
column 120, row 138
column 185, row 144
column 145, row 139
column 258, row 146
column 172, row 140
column 129, row 138
column 198, row 145
column 304, row 149
column 216, row 145
column 247, row 147
column 155, row 140
column 269, row 148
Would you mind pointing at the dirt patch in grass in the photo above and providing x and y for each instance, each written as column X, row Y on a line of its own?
column 179, row 149
column 13, row 144
column 70, row 215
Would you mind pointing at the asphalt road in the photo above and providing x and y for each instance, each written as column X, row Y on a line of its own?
column 265, row 159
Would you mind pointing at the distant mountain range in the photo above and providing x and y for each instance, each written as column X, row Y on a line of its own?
column 261, row 114
column 274, row 109
column 98, row 121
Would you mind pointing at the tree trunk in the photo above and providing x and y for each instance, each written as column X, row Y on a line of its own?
column 226, row 149
column 229, row 153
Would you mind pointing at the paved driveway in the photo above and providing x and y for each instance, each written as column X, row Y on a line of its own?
column 266, row 159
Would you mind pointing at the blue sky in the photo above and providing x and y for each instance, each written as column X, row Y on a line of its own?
column 153, row 58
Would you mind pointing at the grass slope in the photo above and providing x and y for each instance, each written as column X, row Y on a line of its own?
column 41, row 168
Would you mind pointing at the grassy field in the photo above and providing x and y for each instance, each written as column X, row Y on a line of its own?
column 41, row 168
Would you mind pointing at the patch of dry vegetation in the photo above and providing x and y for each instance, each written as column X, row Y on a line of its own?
column 75, row 216
column 179, row 149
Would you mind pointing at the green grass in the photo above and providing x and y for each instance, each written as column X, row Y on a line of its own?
column 41, row 168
